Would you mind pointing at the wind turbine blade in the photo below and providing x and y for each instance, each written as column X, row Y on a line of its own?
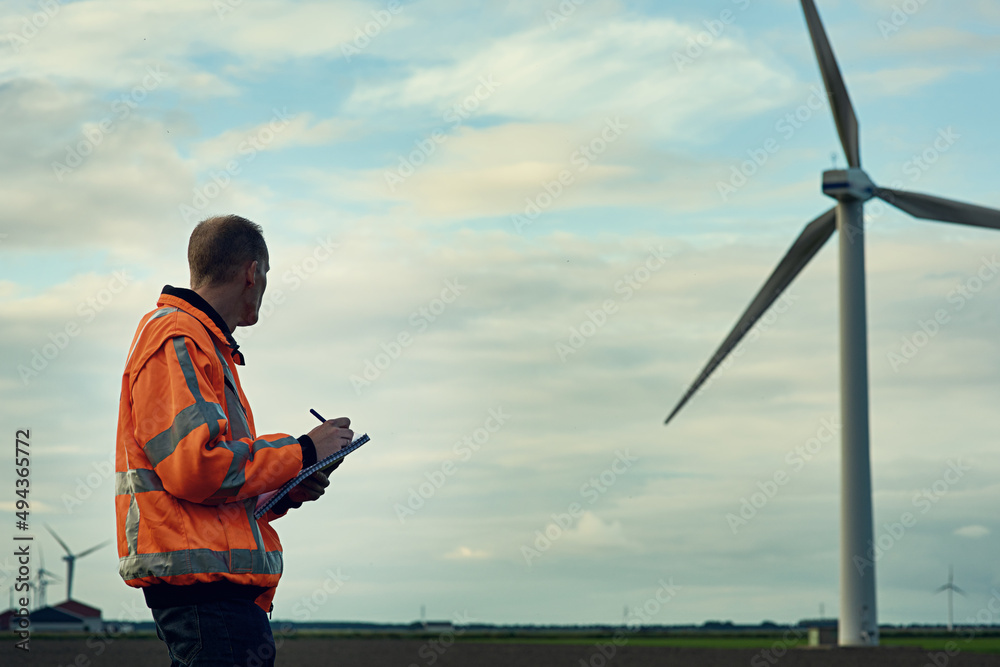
column 804, row 249
column 843, row 110
column 93, row 549
column 942, row 588
column 928, row 207
column 959, row 591
column 58, row 539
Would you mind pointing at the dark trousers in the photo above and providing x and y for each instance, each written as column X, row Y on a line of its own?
column 226, row 633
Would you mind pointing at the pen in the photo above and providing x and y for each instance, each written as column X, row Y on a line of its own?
column 333, row 466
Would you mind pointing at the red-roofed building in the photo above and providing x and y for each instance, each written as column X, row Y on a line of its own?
column 68, row 616
column 79, row 609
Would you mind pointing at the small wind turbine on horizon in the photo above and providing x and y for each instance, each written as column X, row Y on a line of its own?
column 851, row 187
column 950, row 586
column 70, row 559
column 45, row 577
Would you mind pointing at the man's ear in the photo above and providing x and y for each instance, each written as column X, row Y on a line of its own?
column 251, row 274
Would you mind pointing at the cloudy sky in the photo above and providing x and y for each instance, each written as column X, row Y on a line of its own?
column 504, row 239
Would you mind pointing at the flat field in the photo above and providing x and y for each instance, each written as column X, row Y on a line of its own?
column 305, row 651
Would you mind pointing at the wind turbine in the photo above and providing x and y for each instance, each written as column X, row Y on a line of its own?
column 70, row 559
column 45, row 577
column 851, row 188
column 950, row 586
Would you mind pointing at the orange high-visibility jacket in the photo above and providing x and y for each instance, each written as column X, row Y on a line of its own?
column 189, row 465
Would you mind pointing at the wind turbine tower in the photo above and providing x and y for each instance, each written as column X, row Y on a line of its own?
column 70, row 559
column 851, row 188
column 950, row 587
column 45, row 577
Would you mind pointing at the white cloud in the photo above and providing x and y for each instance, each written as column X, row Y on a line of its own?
column 591, row 531
column 973, row 532
column 463, row 552
column 283, row 130
column 508, row 169
column 82, row 38
column 899, row 81
column 591, row 71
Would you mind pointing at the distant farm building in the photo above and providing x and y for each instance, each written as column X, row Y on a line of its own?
column 68, row 616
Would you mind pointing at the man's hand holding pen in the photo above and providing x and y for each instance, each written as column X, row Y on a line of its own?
column 329, row 438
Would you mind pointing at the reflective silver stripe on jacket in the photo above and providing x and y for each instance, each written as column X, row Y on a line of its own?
column 155, row 316
column 130, row 483
column 137, row 481
column 199, row 561
column 132, row 527
column 190, row 418
column 239, row 428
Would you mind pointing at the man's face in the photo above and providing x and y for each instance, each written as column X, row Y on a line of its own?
column 254, row 295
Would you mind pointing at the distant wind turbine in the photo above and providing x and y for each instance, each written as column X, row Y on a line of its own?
column 851, row 187
column 70, row 559
column 45, row 577
column 950, row 586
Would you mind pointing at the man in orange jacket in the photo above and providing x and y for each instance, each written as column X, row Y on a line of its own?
column 190, row 467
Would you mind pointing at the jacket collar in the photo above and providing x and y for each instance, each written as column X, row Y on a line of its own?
column 193, row 303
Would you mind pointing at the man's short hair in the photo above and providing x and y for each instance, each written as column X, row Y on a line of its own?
column 220, row 247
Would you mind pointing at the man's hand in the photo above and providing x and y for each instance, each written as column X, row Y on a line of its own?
column 331, row 436
column 311, row 488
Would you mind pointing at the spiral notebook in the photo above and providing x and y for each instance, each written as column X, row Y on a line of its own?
column 268, row 500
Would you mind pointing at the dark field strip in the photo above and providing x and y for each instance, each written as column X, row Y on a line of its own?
column 978, row 645
column 309, row 652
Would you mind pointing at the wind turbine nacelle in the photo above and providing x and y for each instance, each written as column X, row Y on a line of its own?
column 848, row 184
